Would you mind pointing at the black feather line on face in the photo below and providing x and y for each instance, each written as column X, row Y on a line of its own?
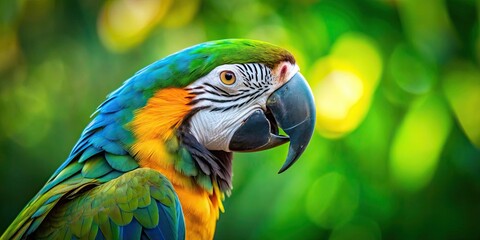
column 222, row 95
column 217, row 88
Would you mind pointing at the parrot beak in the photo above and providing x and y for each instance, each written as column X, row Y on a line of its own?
column 292, row 108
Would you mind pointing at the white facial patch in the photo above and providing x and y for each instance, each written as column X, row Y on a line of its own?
column 215, row 129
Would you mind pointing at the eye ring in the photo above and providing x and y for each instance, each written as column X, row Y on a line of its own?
column 228, row 77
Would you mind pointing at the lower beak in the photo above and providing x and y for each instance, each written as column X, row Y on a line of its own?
column 293, row 110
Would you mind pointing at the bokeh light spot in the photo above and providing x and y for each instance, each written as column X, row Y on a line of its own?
column 419, row 142
column 332, row 200
column 30, row 120
column 337, row 93
column 410, row 72
column 361, row 52
column 123, row 24
column 430, row 29
column 180, row 13
column 9, row 50
column 344, row 83
column 462, row 88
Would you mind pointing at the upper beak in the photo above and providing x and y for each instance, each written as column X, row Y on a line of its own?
column 293, row 110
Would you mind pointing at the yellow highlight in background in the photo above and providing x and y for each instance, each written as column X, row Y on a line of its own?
column 123, row 24
column 419, row 142
column 343, row 84
column 461, row 85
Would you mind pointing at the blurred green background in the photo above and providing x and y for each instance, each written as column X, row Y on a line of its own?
column 396, row 153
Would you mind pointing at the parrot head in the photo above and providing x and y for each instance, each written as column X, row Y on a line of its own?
column 241, row 105
column 207, row 101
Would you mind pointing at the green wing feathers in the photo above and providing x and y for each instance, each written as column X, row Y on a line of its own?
column 139, row 203
column 109, row 209
column 39, row 207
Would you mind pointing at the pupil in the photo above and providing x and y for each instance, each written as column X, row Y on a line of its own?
column 228, row 76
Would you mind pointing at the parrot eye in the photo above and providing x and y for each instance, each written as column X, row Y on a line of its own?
column 227, row 77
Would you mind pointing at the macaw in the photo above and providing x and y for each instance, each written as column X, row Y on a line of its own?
column 155, row 162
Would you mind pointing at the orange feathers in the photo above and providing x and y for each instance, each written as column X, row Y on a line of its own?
column 154, row 126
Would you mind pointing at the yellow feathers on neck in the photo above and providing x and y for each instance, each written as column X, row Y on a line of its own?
column 154, row 124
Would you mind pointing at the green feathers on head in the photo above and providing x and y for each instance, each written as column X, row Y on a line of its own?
column 212, row 54
column 192, row 63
